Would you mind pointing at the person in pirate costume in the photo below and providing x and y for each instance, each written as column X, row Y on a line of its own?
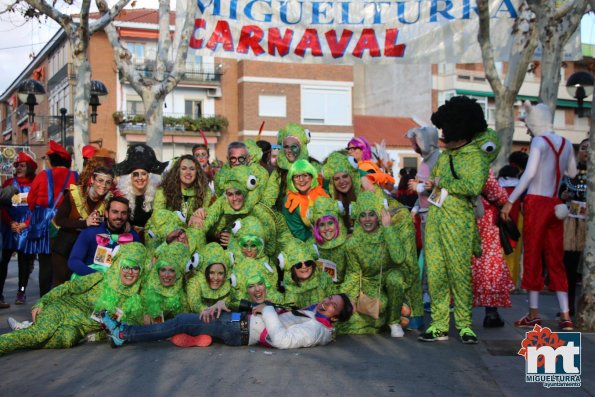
column 210, row 282
column 162, row 292
column 14, row 227
column 62, row 317
column 451, row 237
column 329, row 236
column 305, row 283
column 139, row 177
column 377, row 266
column 303, row 189
column 247, row 245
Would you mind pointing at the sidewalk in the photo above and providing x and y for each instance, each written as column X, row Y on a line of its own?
column 352, row 366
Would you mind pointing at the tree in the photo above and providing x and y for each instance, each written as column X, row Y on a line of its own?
column 555, row 26
column 586, row 314
column 524, row 35
column 78, row 31
column 166, row 75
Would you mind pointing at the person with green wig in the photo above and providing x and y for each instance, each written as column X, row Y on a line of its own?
column 162, row 292
column 305, row 283
column 62, row 317
column 329, row 235
column 377, row 266
column 210, row 283
column 247, row 245
column 237, row 203
column 303, row 189
column 344, row 181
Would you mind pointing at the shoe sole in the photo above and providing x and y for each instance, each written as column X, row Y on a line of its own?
column 185, row 340
column 439, row 338
column 469, row 342
column 527, row 325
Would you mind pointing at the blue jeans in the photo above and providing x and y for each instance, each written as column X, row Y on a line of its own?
column 222, row 329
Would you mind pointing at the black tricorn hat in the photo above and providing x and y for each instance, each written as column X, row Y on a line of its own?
column 140, row 156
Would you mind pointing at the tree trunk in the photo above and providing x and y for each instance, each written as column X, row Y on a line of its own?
column 81, row 106
column 154, row 121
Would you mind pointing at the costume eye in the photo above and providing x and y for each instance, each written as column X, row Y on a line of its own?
column 488, row 147
column 352, row 161
column 251, row 182
column 235, row 227
column 308, row 135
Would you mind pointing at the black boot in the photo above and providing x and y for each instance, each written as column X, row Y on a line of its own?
column 492, row 318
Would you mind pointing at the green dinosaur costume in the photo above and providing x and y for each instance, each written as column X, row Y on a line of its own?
column 65, row 319
column 161, row 223
column 313, row 290
column 333, row 250
column 167, row 301
column 249, row 230
column 299, row 132
column 198, row 292
column 451, row 234
column 368, row 255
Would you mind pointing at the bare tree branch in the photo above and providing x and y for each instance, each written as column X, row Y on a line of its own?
column 108, row 15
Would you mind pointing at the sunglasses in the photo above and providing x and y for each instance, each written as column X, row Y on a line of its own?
column 138, row 174
column 300, row 265
column 130, row 269
column 239, row 159
column 352, row 148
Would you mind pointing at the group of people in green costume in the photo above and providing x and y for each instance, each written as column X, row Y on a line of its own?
column 293, row 236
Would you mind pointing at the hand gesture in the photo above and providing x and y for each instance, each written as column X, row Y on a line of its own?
column 505, row 211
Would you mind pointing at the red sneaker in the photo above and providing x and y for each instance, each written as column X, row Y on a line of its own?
column 185, row 340
column 527, row 322
column 566, row 325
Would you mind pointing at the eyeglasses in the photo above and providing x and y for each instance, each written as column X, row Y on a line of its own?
column 352, row 148
column 139, row 174
column 201, row 156
column 302, row 176
column 300, row 265
column 239, row 160
column 130, row 269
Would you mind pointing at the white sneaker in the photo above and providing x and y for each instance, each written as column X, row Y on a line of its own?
column 16, row 325
column 396, row 331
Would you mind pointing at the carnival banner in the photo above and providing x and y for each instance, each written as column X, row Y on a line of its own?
column 349, row 31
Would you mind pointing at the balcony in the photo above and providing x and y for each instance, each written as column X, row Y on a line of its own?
column 66, row 72
column 173, row 124
column 208, row 73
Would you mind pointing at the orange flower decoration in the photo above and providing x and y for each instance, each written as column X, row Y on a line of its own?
column 538, row 337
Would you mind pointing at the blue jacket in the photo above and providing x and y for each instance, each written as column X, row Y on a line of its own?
column 83, row 252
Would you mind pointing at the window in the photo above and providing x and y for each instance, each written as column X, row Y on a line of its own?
column 137, row 50
column 410, row 162
column 445, row 96
column 193, row 108
column 135, row 107
column 330, row 106
column 272, row 105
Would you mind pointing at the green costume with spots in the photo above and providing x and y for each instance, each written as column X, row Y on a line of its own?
column 221, row 216
column 367, row 253
column 241, row 278
column 307, row 292
column 65, row 320
column 333, row 250
column 250, row 230
column 161, row 223
column 167, row 301
column 198, row 292
column 451, row 234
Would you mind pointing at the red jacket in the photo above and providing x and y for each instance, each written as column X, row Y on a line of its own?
column 38, row 195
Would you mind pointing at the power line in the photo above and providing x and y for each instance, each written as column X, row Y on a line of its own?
column 22, row 46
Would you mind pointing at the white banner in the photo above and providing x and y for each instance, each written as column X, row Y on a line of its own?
column 349, row 31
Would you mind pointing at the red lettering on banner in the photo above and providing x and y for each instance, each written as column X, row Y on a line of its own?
column 367, row 41
column 276, row 43
column 250, row 37
column 338, row 48
column 391, row 48
column 221, row 35
column 199, row 23
column 309, row 40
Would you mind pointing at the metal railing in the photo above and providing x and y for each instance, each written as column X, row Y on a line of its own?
column 197, row 73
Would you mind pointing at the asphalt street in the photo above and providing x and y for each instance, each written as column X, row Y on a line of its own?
column 352, row 366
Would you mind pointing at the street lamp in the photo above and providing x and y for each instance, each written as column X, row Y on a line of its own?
column 63, row 112
column 97, row 89
column 580, row 86
column 31, row 92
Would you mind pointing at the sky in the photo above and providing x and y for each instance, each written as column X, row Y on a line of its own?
column 20, row 40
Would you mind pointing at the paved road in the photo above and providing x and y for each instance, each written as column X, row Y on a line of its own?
column 352, row 366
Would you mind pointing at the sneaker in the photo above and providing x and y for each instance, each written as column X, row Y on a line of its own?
column 185, row 340
column 16, row 325
column 21, row 298
column 493, row 321
column 468, row 337
column 416, row 323
column 566, row 325
column 396, row 331
column 527, row 322
column 113, row 329
column 432, row 335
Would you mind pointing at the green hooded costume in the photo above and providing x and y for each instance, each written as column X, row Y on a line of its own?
column 169, row 301
column 376, row 266
column 65, row 319
column 307, row 292
column 198, row 292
